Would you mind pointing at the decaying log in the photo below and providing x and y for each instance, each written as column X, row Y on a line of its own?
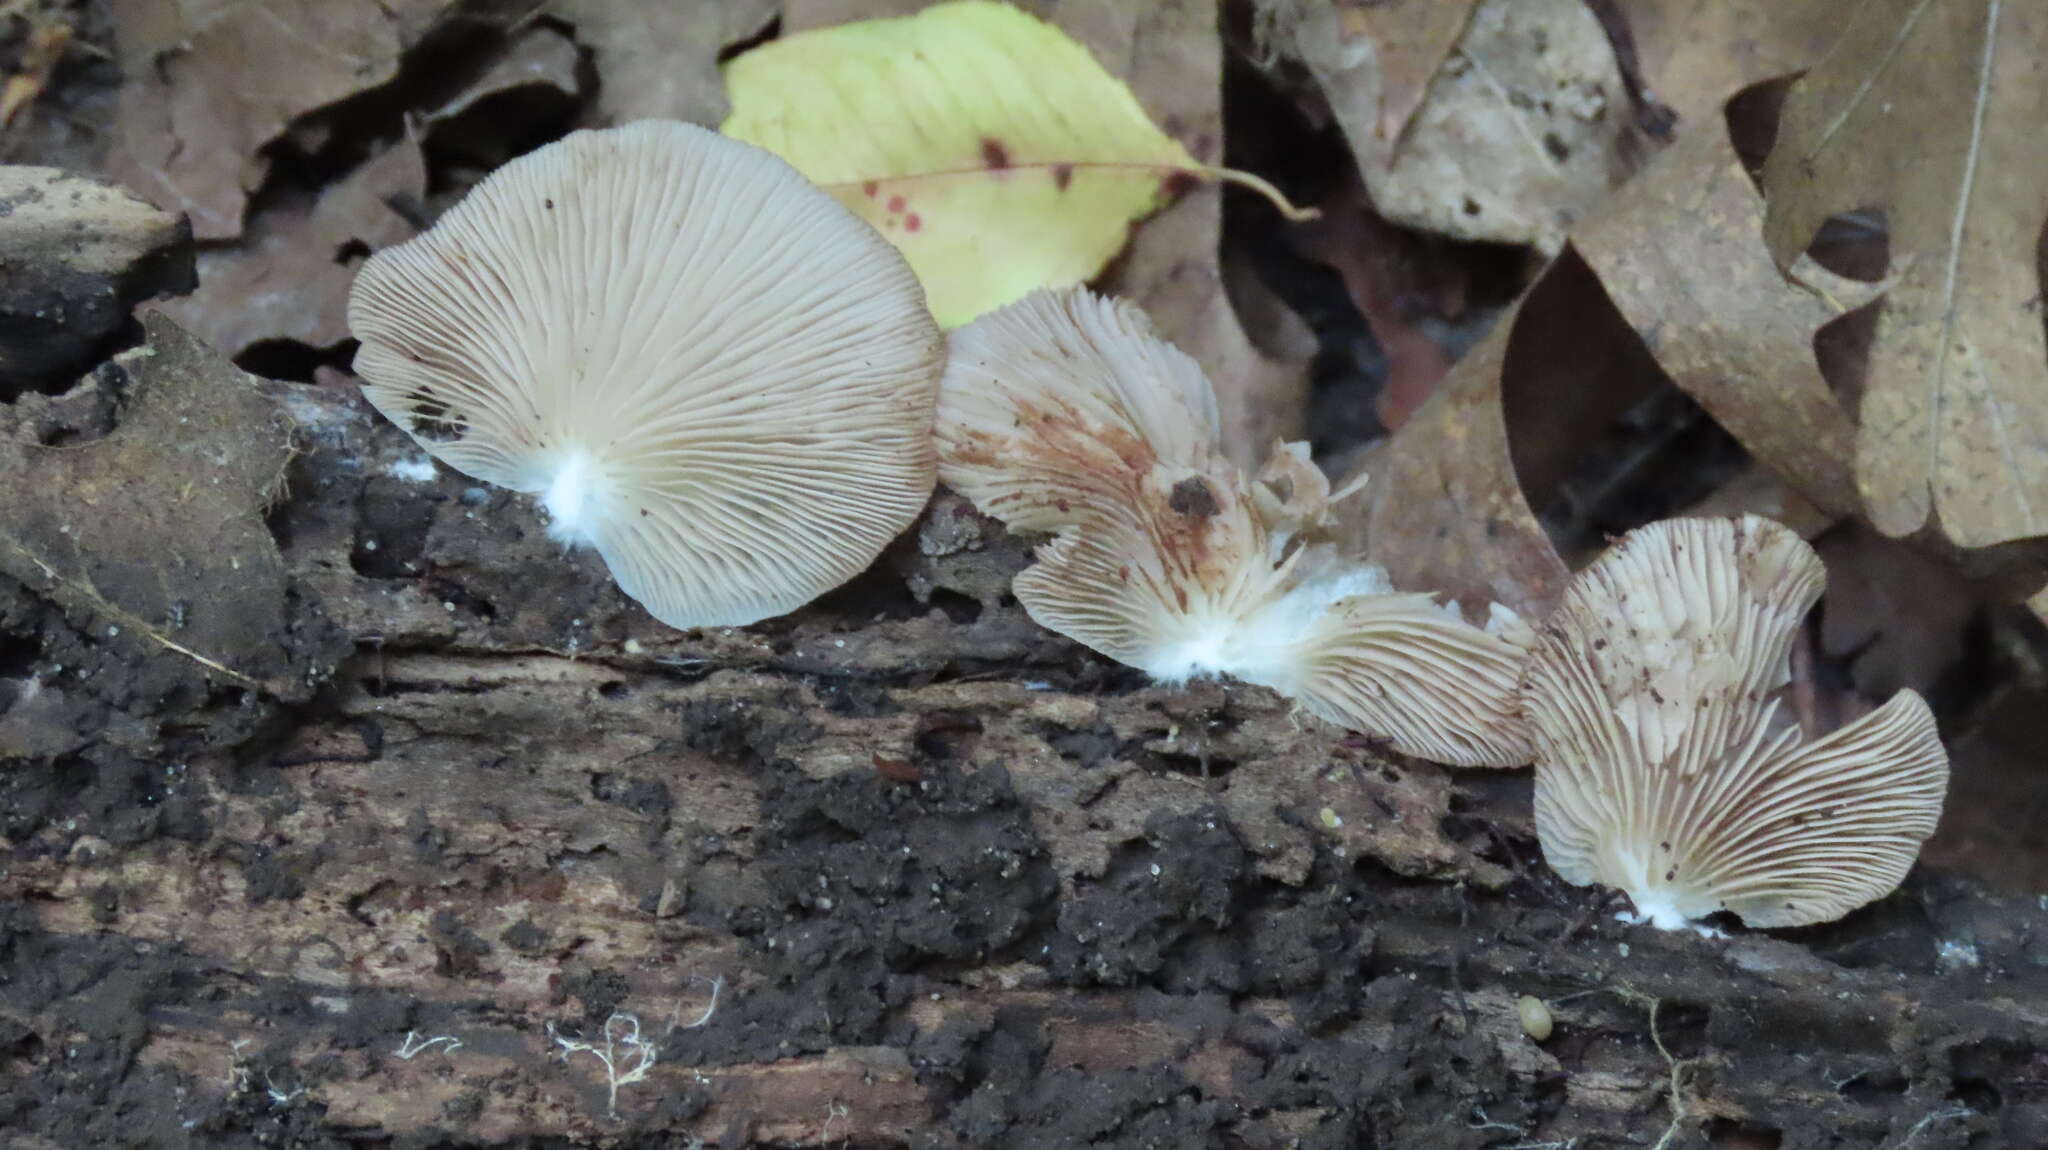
column 900, row 870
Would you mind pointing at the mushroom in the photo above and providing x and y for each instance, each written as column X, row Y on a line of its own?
column 1664, row 765
column 702, row 365
column 1065, row 413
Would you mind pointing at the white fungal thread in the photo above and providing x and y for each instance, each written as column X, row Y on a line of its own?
column 408, row 1050
column 622, row 1040
column 237, row 1079
column 675, row 1022
column 413, row 470
column 280, row 1097
column 835, row 1111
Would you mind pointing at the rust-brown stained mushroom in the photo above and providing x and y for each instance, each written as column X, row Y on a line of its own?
column 1064, row 413
column 702, row 365
column 1664, row 765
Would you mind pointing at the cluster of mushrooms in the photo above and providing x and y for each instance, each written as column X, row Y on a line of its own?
column 713, row 373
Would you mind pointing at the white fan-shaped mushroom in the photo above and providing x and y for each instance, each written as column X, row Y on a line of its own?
column 705, row 367
column 1064, row 413
column 1660, row 768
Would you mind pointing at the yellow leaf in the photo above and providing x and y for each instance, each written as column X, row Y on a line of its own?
column 988, row 146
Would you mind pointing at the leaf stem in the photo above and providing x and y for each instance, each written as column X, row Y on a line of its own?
column 1294, row 213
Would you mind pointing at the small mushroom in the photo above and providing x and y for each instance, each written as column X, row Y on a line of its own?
column 702, row 365
column 1065, row 413
column 1535, row 1017
column 1664, row 765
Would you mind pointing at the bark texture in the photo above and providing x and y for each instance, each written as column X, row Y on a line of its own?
column 525, row 868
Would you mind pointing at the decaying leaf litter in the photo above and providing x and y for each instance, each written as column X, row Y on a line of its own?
column 928, row 873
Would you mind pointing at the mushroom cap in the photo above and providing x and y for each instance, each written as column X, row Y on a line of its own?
column 706, row 368
column 1065, row 413
column 1662, row 765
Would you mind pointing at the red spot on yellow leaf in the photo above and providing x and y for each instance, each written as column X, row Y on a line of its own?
column 911, row 222
column 1062, row 175
column 895, row 203
column 993, row 154
column 871, row 188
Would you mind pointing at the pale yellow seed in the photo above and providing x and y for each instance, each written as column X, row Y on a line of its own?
column 1536, row 1018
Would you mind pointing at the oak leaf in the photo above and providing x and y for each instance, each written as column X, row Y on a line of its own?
column 1932, row 111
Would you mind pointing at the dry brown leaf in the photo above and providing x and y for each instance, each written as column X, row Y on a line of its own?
column 1521, row 131
column 1444, row 508
column 1932, row 111
column 539, row 69
column 1413, row 39
column 1171, row 55
column 1760, row 491
column 659, row 58
column 1407, row 40
column 211, row 82
column 1679, row 254
column 1695, row 56
column 1384, row 270
column 152, row 539
column 289, row 277
column 1680, row 251
column 39, row 57
column 1894, row 613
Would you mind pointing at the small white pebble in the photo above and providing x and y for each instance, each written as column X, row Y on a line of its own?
column 633, row 647
column 1155, row 870
column 1536, row 1020
column 842, row 643
column 1624, row 950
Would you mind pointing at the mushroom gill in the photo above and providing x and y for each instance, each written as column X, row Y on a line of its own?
column 1065, row 413
column 701, row 365
column 1663, row 764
